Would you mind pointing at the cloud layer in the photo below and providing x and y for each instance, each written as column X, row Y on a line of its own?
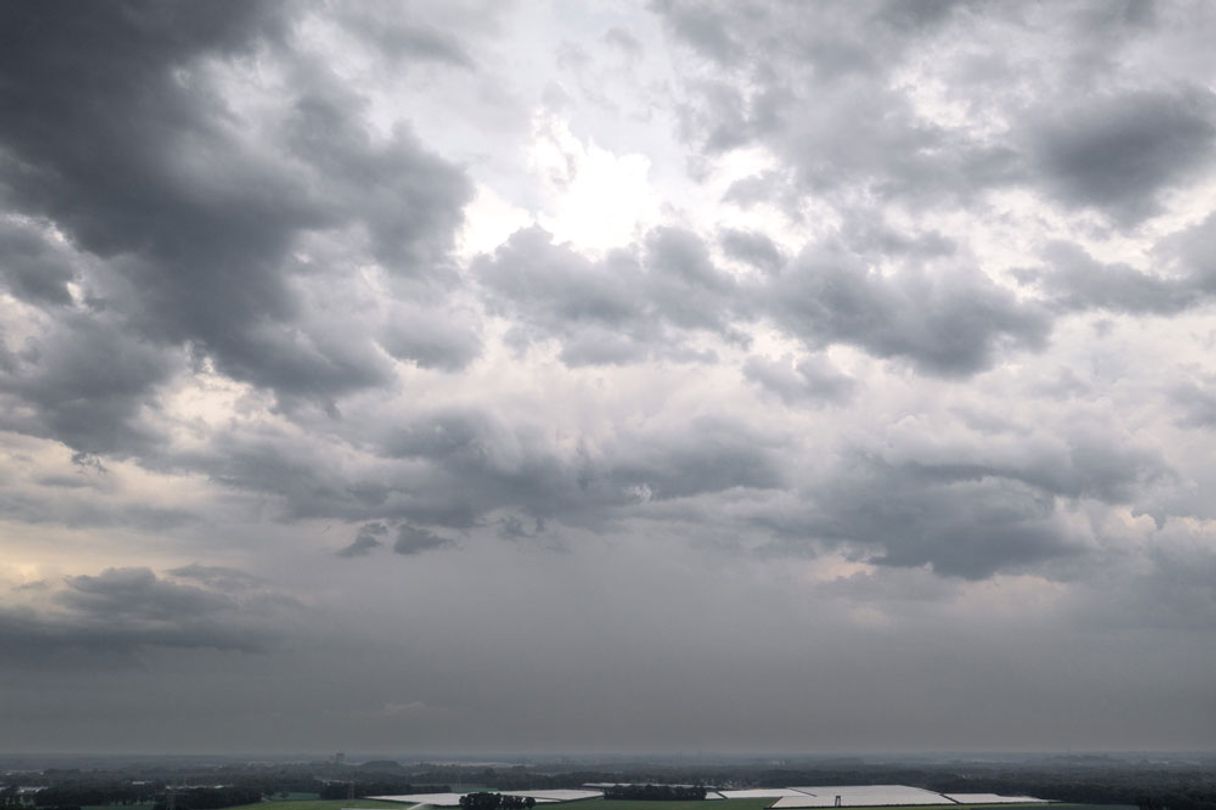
column 486, row 361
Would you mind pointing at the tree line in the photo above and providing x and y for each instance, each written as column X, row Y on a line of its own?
column 209, row 798
column 655, row 793
column 495, row 801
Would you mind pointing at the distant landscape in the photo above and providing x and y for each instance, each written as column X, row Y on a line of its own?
column 183, row 783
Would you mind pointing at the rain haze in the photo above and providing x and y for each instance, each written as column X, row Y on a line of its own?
column 607, row 377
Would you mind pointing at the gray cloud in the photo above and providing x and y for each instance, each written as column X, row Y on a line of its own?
column 1197, row 404
column 218, row 577
column 32, row 269
column 367, row 540
column 622, row 309
column 824, row 93
column 439, row 340
column 1075, row 280
column 972, row 508
column 949, row 322
column 1078, row 281
column 197, row 221
column 809, row 381
column 960, row 524
column 85, row 383
column 413, row 540
column 753, row 248
column 904, row 354
column 123, row 610
column 1118, row 153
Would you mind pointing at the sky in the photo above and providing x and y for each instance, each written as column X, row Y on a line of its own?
column 607, row 377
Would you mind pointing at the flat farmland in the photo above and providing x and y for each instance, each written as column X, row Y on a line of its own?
column 322, row 804
column 716, row 804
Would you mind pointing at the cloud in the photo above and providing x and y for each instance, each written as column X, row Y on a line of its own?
column 1077, row 281
column 199, row 218
column 33, row 268
column 447, row 341
column 85, row 381
column 124, row 610
column 218, row 577
column 413, row 540
column 809, row 381
column 1197, row 404
column 717, row 322
column 970, row 503
column 1074, row 280
column 854, row 111
column 366, row 541
column 947, row 322
column 624, row 308
column 1117, row 153
column 751, row 247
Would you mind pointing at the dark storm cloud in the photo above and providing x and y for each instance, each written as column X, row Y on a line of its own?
column 968, row 526
column 816, row 89
column 198, row 218
column 971, row 509
column 496, row 465
column 624, row 308
column 123, row 610
column 229, row 284
column 1078, row 281
column 872, row 237
column 708, row 455
column 33, row 269
column 809, row 381
column 413, row 540
column 85, row 383
column 408, row 201
column 1184, row 277
column 751, row 247
column 456, row 468
column 947, row 322
column 825, row 93
column 367, row 540
column 1119, row 152
column 443, row 340
column 557, row 292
